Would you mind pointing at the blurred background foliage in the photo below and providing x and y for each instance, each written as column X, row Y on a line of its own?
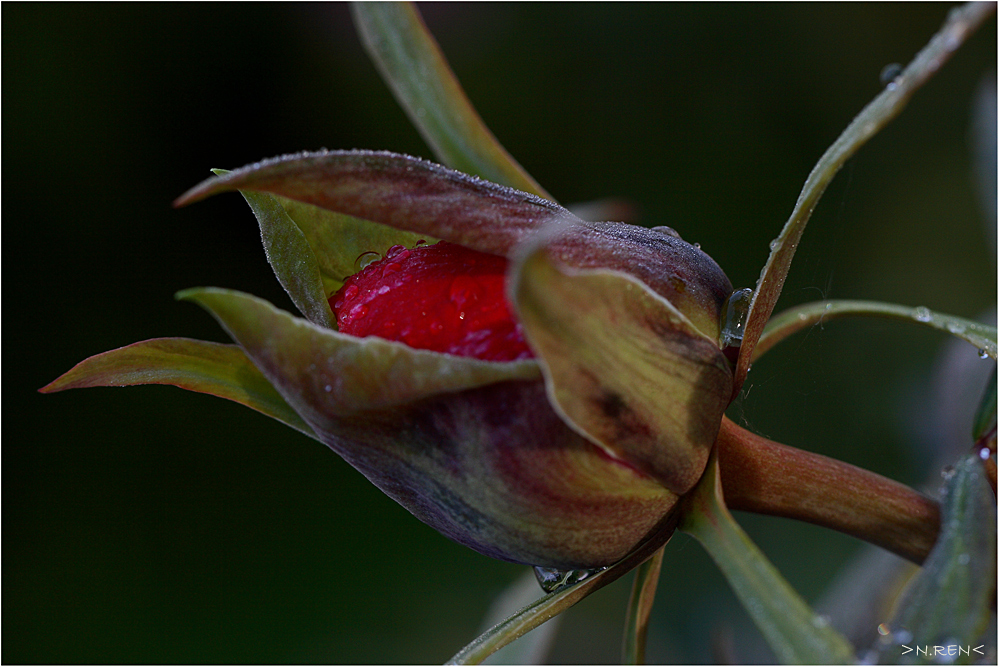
column 153, row 525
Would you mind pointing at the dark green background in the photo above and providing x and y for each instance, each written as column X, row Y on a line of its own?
column 152, row 525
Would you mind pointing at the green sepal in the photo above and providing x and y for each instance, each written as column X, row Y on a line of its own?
column 424, row 198
column 195, row 365
column 434, row 432
column 399, row 191
column 624, row 367
column 950, row 601
column 315, row 367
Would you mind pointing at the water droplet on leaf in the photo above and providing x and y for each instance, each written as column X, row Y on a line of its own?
column 922, row 314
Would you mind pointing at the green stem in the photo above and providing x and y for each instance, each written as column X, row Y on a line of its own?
column 643, row 594
column 767, row 477
column 793, row 631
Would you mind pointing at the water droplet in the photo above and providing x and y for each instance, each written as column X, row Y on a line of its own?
column 820, row 621
column 983, row 354
column 697, row 245
column 552, row 579
column 736, row 310
column 394, row 251
column 947, row 472
column 984, row 453
column 922, row 314
column 889, row 73
column 420, row 243
column 365, row 259
column 384, row 289
column 955, row 328
column 773, row 244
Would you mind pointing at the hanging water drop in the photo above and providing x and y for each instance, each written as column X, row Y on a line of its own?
column 983, row 354
column 552, row 579
column 889, row 73
column 734, row 320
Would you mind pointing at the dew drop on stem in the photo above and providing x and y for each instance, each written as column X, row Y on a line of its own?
column 734, row 318
column 552, row 579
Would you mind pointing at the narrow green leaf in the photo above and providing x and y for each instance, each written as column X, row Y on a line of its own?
column 624, row 367
column 531, row 648
column 961, row 22
column 411, row 63
column 794, row 632
column 555, row 603
column 643, row 594
column 801, row 317
column 195, row 365
column 947, row 605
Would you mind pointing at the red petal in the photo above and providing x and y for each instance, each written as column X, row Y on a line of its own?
column 443, row 297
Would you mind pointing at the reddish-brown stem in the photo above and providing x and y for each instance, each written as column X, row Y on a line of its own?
column 766, row 477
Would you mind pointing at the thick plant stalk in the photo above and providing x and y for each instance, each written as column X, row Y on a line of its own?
column 766, row 477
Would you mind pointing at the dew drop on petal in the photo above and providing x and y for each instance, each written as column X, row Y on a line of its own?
column 365, row 259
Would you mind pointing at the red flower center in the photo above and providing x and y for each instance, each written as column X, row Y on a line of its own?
column 443, row 297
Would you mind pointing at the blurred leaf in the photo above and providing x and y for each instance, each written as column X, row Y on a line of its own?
column 985, row 416
column 961, row 22
column 624, row 367
column 801, row 317
column 794, row 632
column 195, row 365
column 411, row 63
column 643, row 594
column 949, row 603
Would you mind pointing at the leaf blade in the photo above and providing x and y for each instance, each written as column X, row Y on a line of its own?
column 961, row 22
column 413, row 66
column 800, row 317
